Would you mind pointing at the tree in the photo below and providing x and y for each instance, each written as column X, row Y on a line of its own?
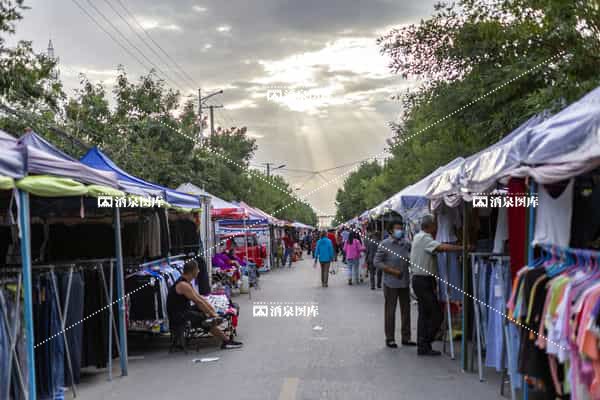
column 471, row 51
column 25, row 77
column 351, row 199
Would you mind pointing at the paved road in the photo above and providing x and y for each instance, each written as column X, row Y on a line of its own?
column 285, row 359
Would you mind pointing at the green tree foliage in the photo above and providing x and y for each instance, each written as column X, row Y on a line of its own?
column 353, row 198
column 25, row 77
column 468, row 49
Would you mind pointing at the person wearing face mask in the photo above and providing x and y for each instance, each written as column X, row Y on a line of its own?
column 392, row 258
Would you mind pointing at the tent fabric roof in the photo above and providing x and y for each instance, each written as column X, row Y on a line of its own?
column 41, row 157
column 220, row 208
column 13, row 160
column 96, row 159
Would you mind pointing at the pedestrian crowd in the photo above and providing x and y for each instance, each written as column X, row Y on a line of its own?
column 394, row 264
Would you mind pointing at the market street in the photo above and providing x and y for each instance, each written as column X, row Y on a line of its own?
column 284, row 358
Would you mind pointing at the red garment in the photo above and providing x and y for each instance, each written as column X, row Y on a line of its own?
column 289, row 242
column 331, row 236
column 517, row 227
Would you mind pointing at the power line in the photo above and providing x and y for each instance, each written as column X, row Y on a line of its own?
column 137, row 34
column 179, row 68
column 109, row 22
column 110, row 34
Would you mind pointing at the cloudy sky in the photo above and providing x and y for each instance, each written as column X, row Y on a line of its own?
column 305, row 76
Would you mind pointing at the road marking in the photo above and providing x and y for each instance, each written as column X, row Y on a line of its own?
column 289, row 389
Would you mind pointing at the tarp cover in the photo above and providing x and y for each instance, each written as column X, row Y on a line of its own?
column 220, row 208
column 96, row 159
column 45, row 159
column 12, row 158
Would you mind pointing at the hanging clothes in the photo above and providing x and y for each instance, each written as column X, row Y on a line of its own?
column 501, row 233
column 585, row 224
column 553, row 216
column 517, row 226
column 449, row 269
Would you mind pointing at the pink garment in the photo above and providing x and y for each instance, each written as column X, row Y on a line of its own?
column 353, row 249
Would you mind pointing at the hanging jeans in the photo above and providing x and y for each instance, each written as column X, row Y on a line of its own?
column 430, row 311
column 353, row 270
column 50, row 356
column 495, row 322
column 73, row 314
column 450, row 272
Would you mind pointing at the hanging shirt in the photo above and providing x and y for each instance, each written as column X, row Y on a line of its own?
column 501, row 235
column 448, row 220
column 553, row 217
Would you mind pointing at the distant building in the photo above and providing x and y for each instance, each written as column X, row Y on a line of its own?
column 55, row 73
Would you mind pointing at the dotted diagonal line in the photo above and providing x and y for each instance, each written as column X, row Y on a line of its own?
column 464, row 293
column 404, row 140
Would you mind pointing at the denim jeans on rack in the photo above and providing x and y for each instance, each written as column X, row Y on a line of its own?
column 51, row 354
column 495, row 324
column 73, row 315
column 482, row 275
column 450, row 273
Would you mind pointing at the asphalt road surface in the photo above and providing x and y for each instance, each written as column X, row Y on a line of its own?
column 285, row 358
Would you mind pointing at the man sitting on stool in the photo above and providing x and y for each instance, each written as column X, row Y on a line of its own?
column 180, row 311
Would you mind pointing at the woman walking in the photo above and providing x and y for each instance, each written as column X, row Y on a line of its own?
column 324, row 253
column 352, row 248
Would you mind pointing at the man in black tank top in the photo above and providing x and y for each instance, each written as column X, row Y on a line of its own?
column 179, row 309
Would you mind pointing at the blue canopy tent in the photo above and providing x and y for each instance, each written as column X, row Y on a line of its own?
column 97, row 159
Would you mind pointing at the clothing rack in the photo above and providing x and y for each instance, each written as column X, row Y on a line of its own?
column 478, row 328
column 24, row 223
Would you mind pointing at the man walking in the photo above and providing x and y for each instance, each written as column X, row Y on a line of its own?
column 372, row 245
column 288, row 253
column 325, row 254
column 425, row 272
column 392, row 258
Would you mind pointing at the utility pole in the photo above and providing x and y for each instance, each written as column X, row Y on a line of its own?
column 211, row 108
column 211, row 115
column 268, row 165
column 200, row 111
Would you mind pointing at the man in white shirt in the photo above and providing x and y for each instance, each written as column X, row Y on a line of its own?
column 425, row 273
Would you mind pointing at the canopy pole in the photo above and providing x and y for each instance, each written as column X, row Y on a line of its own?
column 120, row 292
column 466, row 273
column 530, row 236
column 24, row 222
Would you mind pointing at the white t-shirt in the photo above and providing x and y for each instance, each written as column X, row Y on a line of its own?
column 553, row 217
column 501, row 235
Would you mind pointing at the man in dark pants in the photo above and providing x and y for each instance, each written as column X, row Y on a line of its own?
column 392, row 258
column 372, row 245
column 425, row 272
